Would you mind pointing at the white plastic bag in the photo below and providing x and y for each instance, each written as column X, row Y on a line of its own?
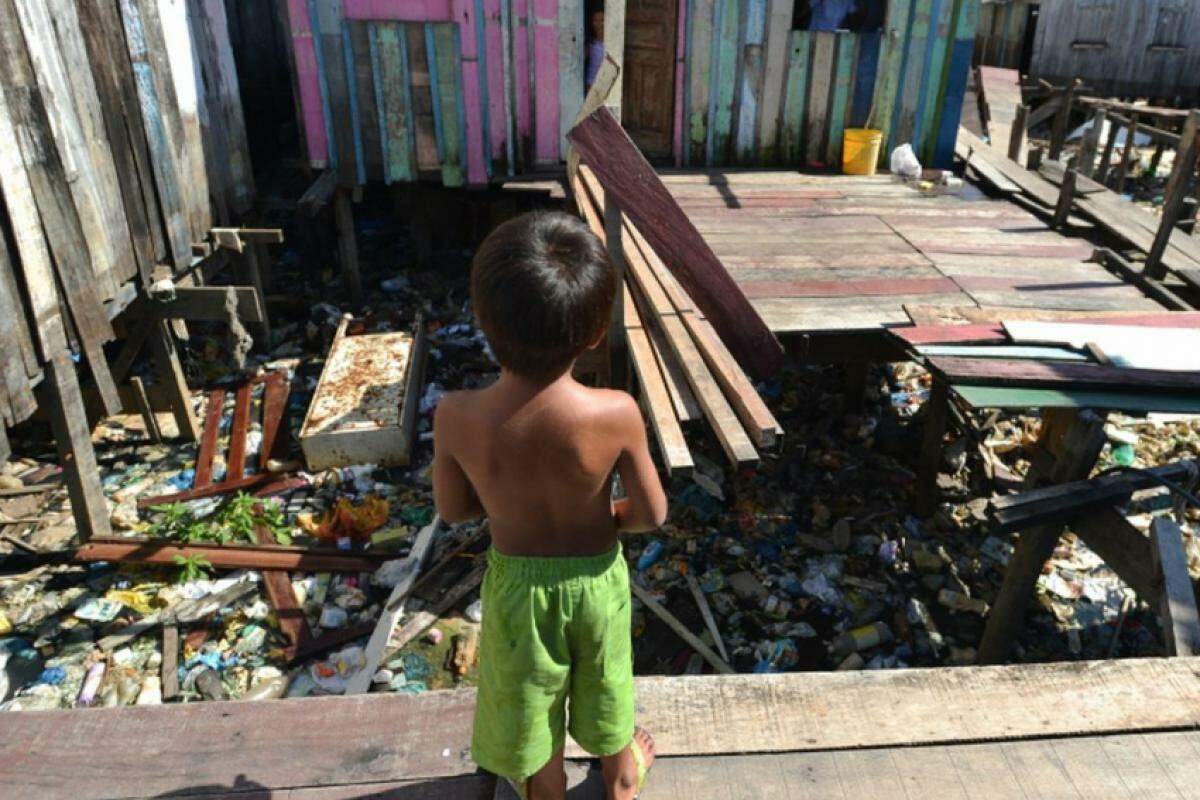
column 904, row 162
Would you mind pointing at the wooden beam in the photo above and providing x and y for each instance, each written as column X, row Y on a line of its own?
column 631, row 183
column 933, row 432
column 706, row 652
column 208, row 303
column 1173, row 197
column 1180, row 619
column 228, row 556
column 72, row 438
column 1058, row 133
column 1066, row 196
column 144, row 408
column 1125, row 549
column 347, row 245
column 1072, row 460
column 1127, row 153
column 169, row 372
column 236, row 239
column 1085, row 160
column 1016, row 139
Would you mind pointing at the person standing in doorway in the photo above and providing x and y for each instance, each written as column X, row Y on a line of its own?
column 828, row 15
column 595, row 50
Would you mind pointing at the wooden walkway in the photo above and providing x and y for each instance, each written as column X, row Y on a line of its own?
column 1077, row 730
column 837, row 254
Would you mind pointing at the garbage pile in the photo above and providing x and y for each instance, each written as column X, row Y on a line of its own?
column 812, row 561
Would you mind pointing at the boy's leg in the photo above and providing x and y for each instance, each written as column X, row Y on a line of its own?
column 621, row 770
column 549, row 782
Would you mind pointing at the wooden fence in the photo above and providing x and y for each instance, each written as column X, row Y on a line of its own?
column 464, row 91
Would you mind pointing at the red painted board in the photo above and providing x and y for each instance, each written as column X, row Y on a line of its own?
column 208, row 440
column 632, row 183
column 850, row 288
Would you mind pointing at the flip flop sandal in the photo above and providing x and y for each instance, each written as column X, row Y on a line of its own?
column 642, row 770
column 520, row 788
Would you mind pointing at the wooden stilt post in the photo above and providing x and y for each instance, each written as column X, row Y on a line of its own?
column 931, row 448
column 143, row 406
column 68, row 422
column 1180, row 620
column 1072, row 461
column 1173, row 197
column 1058, row 135
column 1106, row 158
column 252, row 263
column 1066, row 196
column 1016, row 140
column 1086, row 161
column 170, row 373
column 1034, row 161
column 1127, row 153
column 347, row 244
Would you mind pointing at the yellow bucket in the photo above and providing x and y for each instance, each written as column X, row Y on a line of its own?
column 860, row 150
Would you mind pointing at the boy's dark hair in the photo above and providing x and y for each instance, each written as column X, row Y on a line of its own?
column 542, row 288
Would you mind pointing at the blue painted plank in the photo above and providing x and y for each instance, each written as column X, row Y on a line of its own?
column 323, row 82
column 434, row 84
column 751, row 81
column 355, row 120
column 864, row 78
column 481, row 50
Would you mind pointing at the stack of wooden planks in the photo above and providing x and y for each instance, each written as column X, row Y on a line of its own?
column 684, row 370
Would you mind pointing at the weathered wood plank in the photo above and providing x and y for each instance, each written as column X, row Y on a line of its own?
column 840, row 98
column 796, row 99
column 775, row 73
column 631, row 182
column 701, row 44
column 752, row 66
column 724, row 71
column 1180, row 620
column 887, row 80
column 819, row 86
column 395, row 101
column 914, row 75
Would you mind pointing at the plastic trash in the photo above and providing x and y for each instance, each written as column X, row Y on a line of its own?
column 862, row 638
column 904, row 162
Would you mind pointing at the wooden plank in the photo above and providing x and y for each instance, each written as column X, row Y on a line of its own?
column 1174, row 194
column 443, row 75
column 941, row 40
column 954, row 83
column 1024, row 372
column 631, row 182
column 417, row 557
column 680, row 630
column 72, row 438
column 683, row 400
column 366, row 98
column 163, row 154
column 50, row 186
column 724, row 70
column 1180, row 620
column 1025, row 398
column 819, row 89
column 796, row 99
column 141, row 551
column 347, row 244
column 394, row 97
column 169, row 374
column 571, row 57
column 839, row 104
column 752, row 66
column 1127, row 345
column 118, row 102
column 775, row 73
column 887, row 80
column 208, row 442
column 656, row 397
column 914, row 75
column 701, row 53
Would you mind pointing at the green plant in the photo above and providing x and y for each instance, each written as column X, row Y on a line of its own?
column 193, row 567
column 175, row 519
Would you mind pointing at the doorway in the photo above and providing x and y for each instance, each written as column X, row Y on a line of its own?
column 648, row 94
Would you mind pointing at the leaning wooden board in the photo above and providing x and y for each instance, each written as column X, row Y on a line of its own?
column 365, row 405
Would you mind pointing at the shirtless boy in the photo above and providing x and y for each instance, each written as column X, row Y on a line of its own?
column 535, row 452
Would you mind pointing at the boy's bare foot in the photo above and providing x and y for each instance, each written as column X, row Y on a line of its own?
column 621, row 771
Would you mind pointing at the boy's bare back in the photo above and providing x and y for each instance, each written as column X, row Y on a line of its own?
column 539, row 461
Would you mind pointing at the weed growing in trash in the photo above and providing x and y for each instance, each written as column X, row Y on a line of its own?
column 237, row 520
column 192, row 567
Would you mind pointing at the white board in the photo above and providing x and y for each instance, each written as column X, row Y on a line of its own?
column 1175, row 349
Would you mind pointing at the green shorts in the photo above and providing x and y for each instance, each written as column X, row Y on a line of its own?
column 554, row 629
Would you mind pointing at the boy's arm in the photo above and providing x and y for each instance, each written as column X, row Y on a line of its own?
column 453, row 495
column 644, row 507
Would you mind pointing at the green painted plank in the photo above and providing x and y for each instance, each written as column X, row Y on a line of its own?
column 887, row 76
column 839, row 106
column 779, row 26
column 914, row 73
column 699, row 66
column 724, row 70
column 394, row 97
column 935, row 89
column 795, row 97
column 448, row 91
column 1015, row 397
column 820, row 83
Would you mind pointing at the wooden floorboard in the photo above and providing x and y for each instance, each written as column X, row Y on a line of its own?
column 836, row 253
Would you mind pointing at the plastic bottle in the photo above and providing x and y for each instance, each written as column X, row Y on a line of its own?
column 863, row 638
column 267, row 689
column 650, row 555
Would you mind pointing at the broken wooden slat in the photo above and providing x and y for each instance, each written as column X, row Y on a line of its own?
column 1174, row 194
column 274, row 405
column 237, row 433
column 637, row 190
column 227, row 556
column 208, row 303
column 394, row 609
column 208, row 442
column 714, row 660
column 288, row 612
column 1180, row 620
column 424, row 619
column 143, row 406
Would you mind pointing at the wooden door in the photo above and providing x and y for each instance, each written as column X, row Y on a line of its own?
column 648, row 97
